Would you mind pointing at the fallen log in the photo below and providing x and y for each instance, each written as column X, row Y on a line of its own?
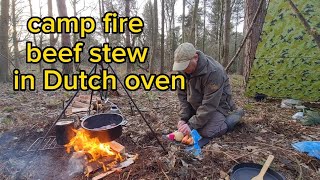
column 77, row 110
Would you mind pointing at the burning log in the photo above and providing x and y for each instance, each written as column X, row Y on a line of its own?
column 117, row 147
column 122, row 165
column 64, row 131
column 99, row 155
column 83, row 142
column 109, row 156
column 94, row 166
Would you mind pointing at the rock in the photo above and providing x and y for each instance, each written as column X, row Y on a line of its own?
column 290, row 103
column 263, row 131
column 298, row 116
column 40, row 130
column 184, row 164
column 300, row 107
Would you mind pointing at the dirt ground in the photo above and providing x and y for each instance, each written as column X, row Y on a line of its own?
column 265, row 129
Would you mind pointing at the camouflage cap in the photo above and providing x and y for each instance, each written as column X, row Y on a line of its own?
column 182, row 56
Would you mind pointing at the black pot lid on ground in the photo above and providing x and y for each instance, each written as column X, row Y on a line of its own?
column 246, row 171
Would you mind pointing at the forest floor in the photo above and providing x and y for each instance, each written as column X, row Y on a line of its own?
column 265, row 129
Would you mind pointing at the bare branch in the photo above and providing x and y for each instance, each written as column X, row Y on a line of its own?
column 246, row 36
column 311, row 31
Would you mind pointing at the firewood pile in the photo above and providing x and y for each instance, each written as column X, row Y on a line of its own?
column 81, row 103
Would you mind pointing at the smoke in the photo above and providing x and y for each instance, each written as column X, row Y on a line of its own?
column 76, row 164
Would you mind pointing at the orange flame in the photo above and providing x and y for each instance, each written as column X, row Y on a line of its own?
column 82, row 142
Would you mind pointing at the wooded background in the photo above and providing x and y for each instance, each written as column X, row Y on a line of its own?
column 213, row 26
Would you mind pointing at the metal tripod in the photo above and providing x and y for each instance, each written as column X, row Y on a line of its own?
column 94, row 69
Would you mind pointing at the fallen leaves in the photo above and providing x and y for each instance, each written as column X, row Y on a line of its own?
column 224, row 175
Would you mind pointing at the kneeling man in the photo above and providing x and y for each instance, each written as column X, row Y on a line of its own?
column 206, row 104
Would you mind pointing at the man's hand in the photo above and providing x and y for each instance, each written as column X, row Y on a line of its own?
column 180, row 123
column 185, row 129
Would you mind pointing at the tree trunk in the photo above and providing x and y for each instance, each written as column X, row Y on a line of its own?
column 173, row 43
column 217, row 27
column 220, row 31
column 102, row 11
column 183, row 18
column 74, row 6
column 52, row 40
column 31, row 15
column 14, row 34
column 40, row 46
column 41, row 38
column 251, row 44
column 169, row 40
column 4, row 46
column 226, row 34
column 162, row 38
column 74, row 36
column 240, row 61
column 204, row 25
column 194, row 22
column 34, row 35
column 65, row 37
column 128, row 43
column 155, row 36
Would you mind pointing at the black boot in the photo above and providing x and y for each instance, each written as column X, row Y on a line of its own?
column 234, row 118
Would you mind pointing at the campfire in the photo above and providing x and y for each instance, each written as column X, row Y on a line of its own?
column 93, row 146
column 99, row 155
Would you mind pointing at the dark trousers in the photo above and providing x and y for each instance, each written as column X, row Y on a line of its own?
column 215, row 127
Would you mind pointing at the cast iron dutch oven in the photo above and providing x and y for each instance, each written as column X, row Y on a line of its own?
column 106, row 127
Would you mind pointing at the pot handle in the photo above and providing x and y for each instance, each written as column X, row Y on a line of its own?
column 124, row 122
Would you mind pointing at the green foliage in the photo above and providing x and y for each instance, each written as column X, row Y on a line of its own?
column 287, row 63
column 248, row 107
column 311, row 118
column 6, row 121
column 8, row 109
column 53, row 103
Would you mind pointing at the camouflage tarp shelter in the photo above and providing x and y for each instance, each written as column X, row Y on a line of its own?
column 287, row 63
